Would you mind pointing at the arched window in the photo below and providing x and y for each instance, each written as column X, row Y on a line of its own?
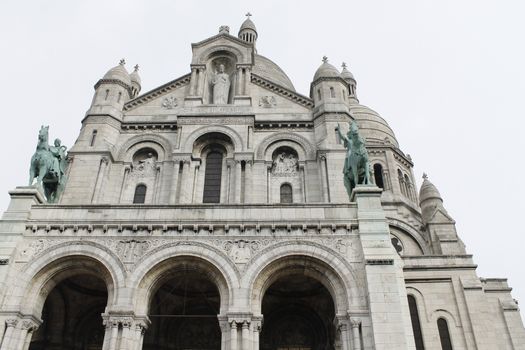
column 286, row 193
column 332, row 92
column 93, row 138
column 107, row 94
column 212, row 178
column 444, row 335
column 378, row 175
column 319, row 94
column 408, row 187
column 119, row 97
column 416, row 325
column 401, row 182
column 140, row 194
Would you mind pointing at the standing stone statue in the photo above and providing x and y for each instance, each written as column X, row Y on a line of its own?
column 48, row 165
column 357, row 166
column 221, row 86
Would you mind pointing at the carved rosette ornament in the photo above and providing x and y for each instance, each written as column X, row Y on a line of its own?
column 267, row 101
column 170, row 102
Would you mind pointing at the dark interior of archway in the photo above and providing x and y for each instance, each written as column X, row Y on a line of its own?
column 72, row 315
column 183, row 314
column 298, row 315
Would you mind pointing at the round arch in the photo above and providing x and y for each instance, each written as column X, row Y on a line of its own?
column 208, row 53
column 41, row 275
column 410, row 232
column 307, row 149
column 152, row 271
column 160, row 144
column 232, row 134
column 308, row 258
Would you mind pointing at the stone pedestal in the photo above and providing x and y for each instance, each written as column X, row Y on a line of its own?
column 391, row 325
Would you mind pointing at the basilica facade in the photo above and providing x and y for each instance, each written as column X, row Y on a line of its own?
column 211, row 213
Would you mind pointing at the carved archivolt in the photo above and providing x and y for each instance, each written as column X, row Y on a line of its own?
column 160, row 144
column 305, row 146
column 232, row 134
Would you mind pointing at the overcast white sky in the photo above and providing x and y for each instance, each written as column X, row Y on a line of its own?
column 447, row 75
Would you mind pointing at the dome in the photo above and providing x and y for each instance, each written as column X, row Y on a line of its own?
column 428, row 191
column 134, row 76
column 118, row 73
column 346, row 74
column 267, row 69
column 326, row 70
column 248, row 24
column 372, row 126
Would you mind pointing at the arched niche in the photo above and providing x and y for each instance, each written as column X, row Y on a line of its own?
column 220, row 81
column 285, row 172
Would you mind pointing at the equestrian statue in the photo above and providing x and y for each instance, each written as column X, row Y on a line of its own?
column 48, row 166
column 357, row 166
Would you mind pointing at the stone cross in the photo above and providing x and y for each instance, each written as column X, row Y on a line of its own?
column 122, row 62
column 325, row 59
column 136, row 68
column 248, row 15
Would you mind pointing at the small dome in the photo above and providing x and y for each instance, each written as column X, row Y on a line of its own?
column 118, row 73
column 134, row 76
column 267, row 69
column 428, row 191
column 326, row 70
column 346, row 74
column 372, row 126
column 248, row 24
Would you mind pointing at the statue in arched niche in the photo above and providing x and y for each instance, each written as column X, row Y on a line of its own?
column 221, row 86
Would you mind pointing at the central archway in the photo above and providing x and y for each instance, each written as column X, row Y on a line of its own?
column 298, row 315
column 184, row 303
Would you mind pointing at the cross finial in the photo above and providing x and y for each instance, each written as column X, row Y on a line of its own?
column 343, row 65
column 425, row 176
column 248, row 14
column 136, row 68
column 325, row 59
column 122, row 62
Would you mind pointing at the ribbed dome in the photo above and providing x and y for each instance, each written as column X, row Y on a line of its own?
column 267, row 69
column 118, row 73
column 428, row 191
column 371, row 126
column 346, row 74
column 326, row 70
column 248, row 24
column 134, row 76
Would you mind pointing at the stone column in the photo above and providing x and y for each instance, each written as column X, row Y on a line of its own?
column 202, row 74
column 343, row 329
column 324, row 184
column 113, row 337
column 246, row 344
column 104, row 161
column 256, row 329
column 225, row 331
column 174, row 182
column 302, row 171
column 186, row 182
column 248, row 182
column 246, row 81
column 8, row 335
column 125, row 341
column 233, row 336
column 356, row 336
column 239, row 82
column 238, row 181
column 193, row 81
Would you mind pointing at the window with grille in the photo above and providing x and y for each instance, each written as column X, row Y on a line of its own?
column 286, row 193
column 140, row 194
column 212, row 178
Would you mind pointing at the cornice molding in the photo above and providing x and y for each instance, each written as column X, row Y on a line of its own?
column 161, row 90
column 282, row 91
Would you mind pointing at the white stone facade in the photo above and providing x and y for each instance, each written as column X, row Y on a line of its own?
column 368, row 252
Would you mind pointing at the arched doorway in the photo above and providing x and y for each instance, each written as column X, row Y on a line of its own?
column 72, row 315
column 298, row 314
column 183, row 310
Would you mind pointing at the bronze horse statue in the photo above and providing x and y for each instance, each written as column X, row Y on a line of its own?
column 357, row 166
column 48, row 166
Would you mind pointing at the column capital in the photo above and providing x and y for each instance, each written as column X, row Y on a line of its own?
column 29, row 325
column 11, row 322
column 355, row 322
